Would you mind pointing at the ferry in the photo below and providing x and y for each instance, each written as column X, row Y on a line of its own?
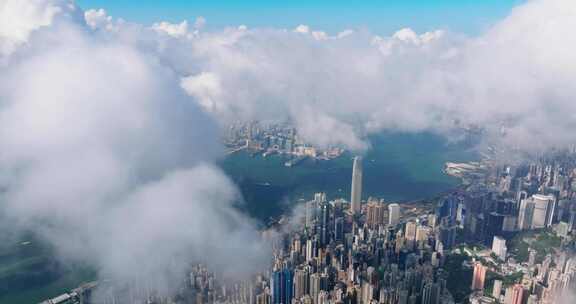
column 294, row 161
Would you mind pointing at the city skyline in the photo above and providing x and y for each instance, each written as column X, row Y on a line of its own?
column 333, row 253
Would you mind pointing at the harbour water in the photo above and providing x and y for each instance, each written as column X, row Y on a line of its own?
column 399, row 167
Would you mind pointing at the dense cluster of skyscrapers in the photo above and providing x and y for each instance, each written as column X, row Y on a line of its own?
column 547, row 282
column 274, row 138
column 357, row 253
column 517, row 198
column 354, row 253
column 507, row 201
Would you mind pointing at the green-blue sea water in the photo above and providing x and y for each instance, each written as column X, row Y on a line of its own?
column 399, row 167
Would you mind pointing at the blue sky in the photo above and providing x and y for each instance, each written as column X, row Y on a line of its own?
column 382, row 17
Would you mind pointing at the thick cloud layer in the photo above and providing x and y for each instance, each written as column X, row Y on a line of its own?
column 516, row 80
column 104, row 155
column 518, row 77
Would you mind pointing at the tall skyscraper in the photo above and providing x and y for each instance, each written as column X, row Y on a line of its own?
column 544, row 206
column 314, row 287
column 499, row 247
column 288, row 286
column 375, row 214
column 572, row 220
column 324, row 224
column 448, row 208
column 301, row 283
column 282, row 286
column 393, row 214
column 516, row 296
column 497, row 289
column 479, row 276
column 403, row 296
column 311, row 249
column 323, row 297
column 422, row 233
column 525, row 214
column 320, row 197
column 263, row 298
column 431, row 293
column 276, row 283
column 356, row 193
column 536, row 212
column 311, row 207
column 410, row 234
column 447, row 234
column 494, row 226
column 339, row 229
column 367, row 292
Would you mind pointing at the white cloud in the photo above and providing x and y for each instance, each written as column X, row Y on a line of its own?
column 104, row 155
column 205, row 87
column 345, row 33
column 304, row 29
column 320, row 35
column 99, row 19
column 199, row 23
column 176, row 30
column 520, row 73
column 406, row 40
column 32, row 15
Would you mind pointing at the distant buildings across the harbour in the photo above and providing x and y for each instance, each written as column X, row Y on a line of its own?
column 268, row 139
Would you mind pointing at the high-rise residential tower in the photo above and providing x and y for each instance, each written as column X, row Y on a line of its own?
column 497, row 289
column 356, row 193
column 544, row 206
column 517, row 294
column 375, row 212
column 525, row 214
column 393, row 214
column 536, row 212
column 499, row 247
column 479, row 276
